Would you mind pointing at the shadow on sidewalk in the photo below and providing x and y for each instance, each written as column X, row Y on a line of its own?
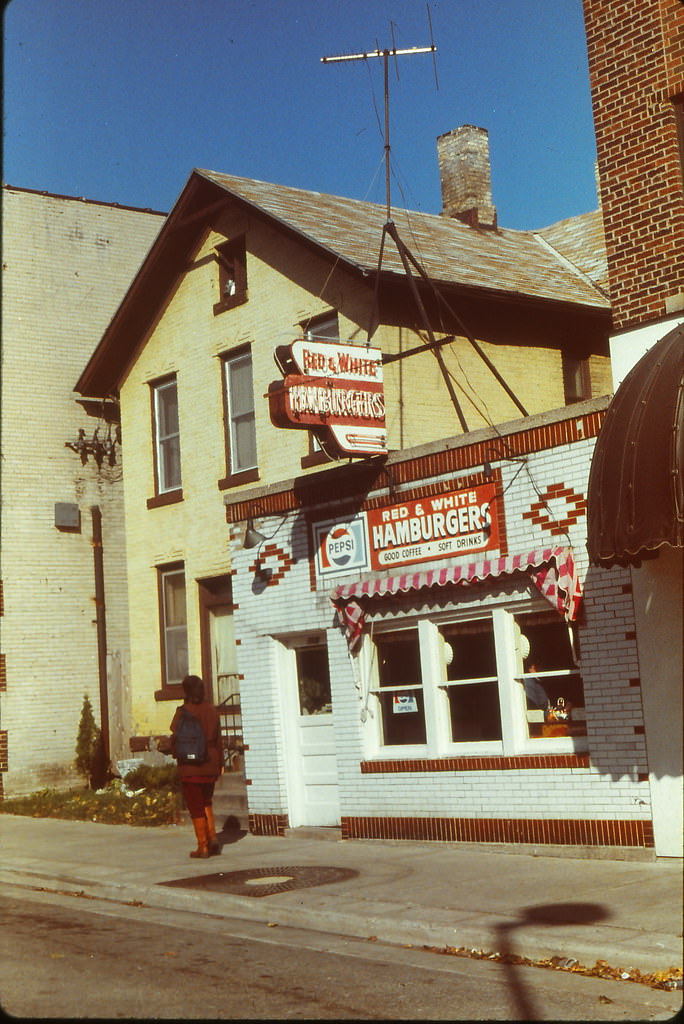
column 231, row 832
column 551, row 914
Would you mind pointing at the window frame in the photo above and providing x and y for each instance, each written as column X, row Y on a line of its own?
column 170, row 689
column 231, row 257
column 250, row 474
column 575, row 369
column 515, row 738
column 316, row 454
column 163, row 494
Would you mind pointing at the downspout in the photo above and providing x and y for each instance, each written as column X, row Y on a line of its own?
column 101, row 621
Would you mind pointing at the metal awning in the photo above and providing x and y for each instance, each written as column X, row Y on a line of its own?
column 552, row 570
column 636, row 486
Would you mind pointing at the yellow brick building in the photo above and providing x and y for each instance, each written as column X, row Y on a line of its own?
column 492, row 325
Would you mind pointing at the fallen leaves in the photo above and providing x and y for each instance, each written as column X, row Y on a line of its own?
column 670, row 978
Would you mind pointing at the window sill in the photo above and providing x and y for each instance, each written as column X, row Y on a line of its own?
column 174, row 691
column 248, row 476
column 167, row 498
column 475, row 763
column 231, row 303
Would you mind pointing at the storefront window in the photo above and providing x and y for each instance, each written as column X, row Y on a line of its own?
column 505, row 681
column 313, row 680
column 554, row 695
column 472, row 688
column 400, row 692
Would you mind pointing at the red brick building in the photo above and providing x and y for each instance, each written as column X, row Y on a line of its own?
column 636, row 489
column 636, row 65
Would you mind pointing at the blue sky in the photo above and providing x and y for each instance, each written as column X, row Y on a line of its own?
column 118, row 100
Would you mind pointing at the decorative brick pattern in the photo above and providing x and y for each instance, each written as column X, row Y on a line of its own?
column 4, row 751
column 540, row 515
column 552, row 831
column 268, row 824
column 475, row 764
column 270, row 555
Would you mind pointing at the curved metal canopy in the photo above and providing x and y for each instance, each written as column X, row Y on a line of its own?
column 636, row 485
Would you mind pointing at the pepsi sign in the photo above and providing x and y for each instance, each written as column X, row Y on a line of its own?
column 341, row 546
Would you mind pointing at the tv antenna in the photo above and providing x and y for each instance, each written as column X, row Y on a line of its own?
column 386, row 54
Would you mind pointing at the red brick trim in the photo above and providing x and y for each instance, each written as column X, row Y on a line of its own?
column 338, row 486
column 475, row 764
column 556, row 831
column 4, row 750
column 3, row 673
column 268, row 824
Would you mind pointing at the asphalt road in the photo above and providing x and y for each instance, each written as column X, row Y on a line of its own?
column 69, row 957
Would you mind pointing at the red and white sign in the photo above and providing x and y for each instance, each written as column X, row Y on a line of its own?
column 440, row 526
column 338, row 389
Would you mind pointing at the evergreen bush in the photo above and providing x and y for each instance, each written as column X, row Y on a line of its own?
column 91, row 761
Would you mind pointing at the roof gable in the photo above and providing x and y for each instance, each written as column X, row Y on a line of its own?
column 513, row 264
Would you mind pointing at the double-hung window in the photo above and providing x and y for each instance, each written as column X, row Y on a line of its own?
column 241, row 449
column 325, row 327
column 166, row 439
column 173, row 624
column 498, row 681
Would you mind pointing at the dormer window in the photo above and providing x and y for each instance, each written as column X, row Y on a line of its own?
column 232, row 274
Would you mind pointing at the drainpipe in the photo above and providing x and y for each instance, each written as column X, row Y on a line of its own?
column 101, row 621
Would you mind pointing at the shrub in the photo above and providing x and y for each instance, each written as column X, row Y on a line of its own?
column 91, row 760
column 153, row 777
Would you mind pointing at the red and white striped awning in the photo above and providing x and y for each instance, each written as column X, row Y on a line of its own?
column 552, row 570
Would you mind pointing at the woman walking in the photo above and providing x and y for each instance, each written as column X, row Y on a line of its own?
column 196, row 745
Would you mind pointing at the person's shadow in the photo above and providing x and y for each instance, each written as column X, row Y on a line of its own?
column 550, row 914
column 231, row 832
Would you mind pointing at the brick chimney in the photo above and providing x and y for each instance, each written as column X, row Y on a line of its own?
column 465, row 175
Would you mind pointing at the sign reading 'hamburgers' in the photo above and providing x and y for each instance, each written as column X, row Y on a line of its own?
column 336, row 391
column 436, row 527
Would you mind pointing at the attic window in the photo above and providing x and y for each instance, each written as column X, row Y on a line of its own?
column 576, row 378
column 232, row 274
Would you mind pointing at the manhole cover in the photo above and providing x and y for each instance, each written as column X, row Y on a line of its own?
column 265, row 881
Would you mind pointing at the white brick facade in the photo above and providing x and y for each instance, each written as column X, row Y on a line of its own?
column 610, row 783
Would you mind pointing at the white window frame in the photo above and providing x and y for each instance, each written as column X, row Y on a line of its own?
column 510, row 677
column 163, row 441
column 230, row 363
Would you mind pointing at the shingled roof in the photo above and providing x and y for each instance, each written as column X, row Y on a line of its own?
column 564, row 264
column 571, row 267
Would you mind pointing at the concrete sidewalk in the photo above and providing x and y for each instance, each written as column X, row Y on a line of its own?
column 627, row 913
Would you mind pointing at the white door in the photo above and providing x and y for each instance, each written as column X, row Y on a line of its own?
column 312, row 761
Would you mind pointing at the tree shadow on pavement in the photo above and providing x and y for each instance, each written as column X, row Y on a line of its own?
column 545, row 914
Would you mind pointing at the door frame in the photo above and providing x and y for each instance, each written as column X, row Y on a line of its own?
column 212, row 592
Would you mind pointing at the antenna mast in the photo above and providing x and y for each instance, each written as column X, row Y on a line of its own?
column 385, row 54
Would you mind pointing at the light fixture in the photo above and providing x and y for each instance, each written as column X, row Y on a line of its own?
column 253, row 537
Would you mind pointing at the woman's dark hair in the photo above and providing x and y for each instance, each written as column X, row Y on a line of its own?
column 193, row 688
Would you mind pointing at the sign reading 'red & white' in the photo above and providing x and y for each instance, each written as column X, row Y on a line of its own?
column 338, row 389
column 440, row 526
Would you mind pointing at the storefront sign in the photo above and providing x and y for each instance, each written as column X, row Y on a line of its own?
column 334, row 389
column 440, row 526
